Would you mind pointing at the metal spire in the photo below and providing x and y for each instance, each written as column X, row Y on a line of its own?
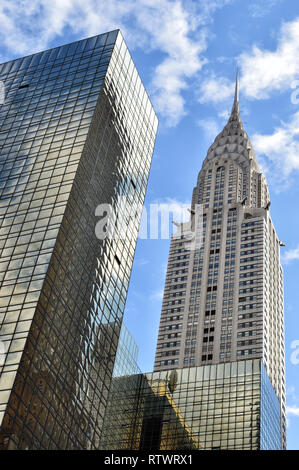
column 233, row 133
column 235, row 113
column 237, row 88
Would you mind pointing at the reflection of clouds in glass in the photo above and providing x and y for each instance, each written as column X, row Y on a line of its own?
column 2, row 92
column 2, row 352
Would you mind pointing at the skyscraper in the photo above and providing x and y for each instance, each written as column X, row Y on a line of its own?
column 223, row 296
column 225, row 406
column 77, row 132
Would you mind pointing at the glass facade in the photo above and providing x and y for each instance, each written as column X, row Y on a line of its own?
column 205, row 407
column 270, row 415
column 126, row 354
column 143, row 415
column 76, row 130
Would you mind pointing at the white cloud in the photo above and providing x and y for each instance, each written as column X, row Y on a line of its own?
column 262, row 71
column 178, row 28
column 281, row 148
column 175, row 28
column 290, row 255
column 170, row 26
column 292, row 410
column 215, row 90
column 265, row 71
column 210, row 127
column 261, row 8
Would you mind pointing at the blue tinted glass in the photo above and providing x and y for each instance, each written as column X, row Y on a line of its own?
column 54, row 53
column 81, row 46
column 62, row 51
column 45, row 56
column 25, row 62
column 101, row 40
column 91, row 43
column 16, row 65
column 112, row 37
column 6, row 67
column 270, row 415
column 72, row 48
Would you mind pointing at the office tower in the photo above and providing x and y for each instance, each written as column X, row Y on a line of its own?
column 230, row 406
column 77, row 132
column 223, row 297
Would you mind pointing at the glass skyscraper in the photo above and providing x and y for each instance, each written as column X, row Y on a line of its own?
column 230, row 406
column 77, row 130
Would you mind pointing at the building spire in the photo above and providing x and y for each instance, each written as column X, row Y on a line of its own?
column 237, row 88
column 235, row 113
column 233, row 133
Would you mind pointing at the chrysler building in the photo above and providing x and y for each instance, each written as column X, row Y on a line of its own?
column 223, row 296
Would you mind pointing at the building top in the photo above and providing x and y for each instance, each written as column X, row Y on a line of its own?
column 233, row 141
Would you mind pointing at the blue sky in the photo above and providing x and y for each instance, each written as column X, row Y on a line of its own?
column 187, row 53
